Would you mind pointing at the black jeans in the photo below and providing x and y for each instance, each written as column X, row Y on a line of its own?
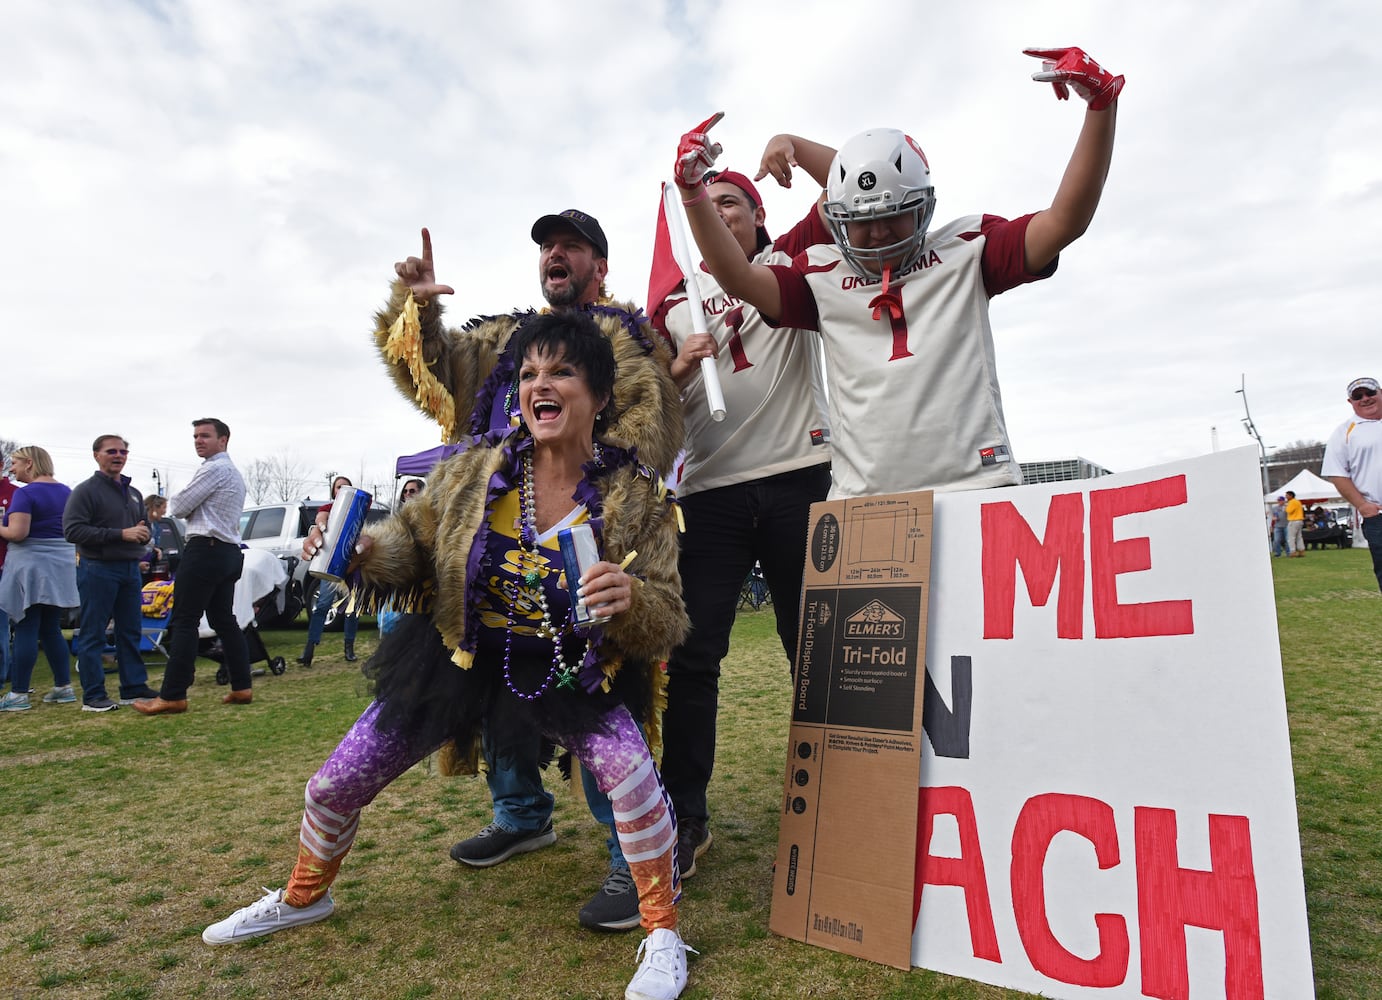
column 205, row 584
column 727, row 529
column 1372, row 531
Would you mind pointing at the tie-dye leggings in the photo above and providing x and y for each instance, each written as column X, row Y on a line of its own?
column 367, row 760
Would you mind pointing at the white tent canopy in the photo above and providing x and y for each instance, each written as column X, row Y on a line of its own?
column 1308, row 488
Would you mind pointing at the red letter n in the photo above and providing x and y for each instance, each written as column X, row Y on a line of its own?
column 966, row 871
column 1008, row 540
column 1170, row 897
column 1042, row 817
column 1107, row 559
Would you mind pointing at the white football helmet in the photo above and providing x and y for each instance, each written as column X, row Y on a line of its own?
column 877, row 174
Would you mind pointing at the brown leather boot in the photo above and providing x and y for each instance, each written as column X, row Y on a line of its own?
column 157, row 706
column 238, row 697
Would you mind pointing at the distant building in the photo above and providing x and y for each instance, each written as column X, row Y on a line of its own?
column 1061, row 469
column 1284, row 463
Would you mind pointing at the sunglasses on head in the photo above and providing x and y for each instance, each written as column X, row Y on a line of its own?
column 117, row 451
column 1358, row 394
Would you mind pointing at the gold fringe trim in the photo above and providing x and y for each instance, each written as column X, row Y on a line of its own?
column 415, row 600
column 653, row 724
column 405, row 345
column 452, row 761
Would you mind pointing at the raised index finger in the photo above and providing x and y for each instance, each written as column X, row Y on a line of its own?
column 1045, row 53
column 709, row 123
column 426, row 246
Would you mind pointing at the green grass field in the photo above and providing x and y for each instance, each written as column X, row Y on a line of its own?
column 125, row 836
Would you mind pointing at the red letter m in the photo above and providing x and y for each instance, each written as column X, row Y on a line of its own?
column 1008, row 540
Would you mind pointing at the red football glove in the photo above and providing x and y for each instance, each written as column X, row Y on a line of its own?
column 696, row 154
column 1072, row 69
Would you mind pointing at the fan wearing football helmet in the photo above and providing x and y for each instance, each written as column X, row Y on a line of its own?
column 879, row 201
column 901, row 304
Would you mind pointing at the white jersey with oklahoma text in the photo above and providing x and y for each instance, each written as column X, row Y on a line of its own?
column 775, row 410
column 914, row 399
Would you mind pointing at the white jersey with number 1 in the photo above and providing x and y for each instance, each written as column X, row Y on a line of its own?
column 775, row 409
column 914, row 400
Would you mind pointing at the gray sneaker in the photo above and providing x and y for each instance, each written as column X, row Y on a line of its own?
column 13, row 702
column 494, row 845
column 615, row 906
column 133, row 696
column 60, row 696
column 99, row 704
column 693, row 840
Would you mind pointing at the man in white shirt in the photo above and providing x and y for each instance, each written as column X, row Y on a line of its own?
column 211, row 563
column 1353, row 462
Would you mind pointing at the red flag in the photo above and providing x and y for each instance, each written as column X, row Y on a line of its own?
column 666, row 276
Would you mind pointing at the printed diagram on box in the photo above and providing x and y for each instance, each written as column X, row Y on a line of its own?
column 882, row 543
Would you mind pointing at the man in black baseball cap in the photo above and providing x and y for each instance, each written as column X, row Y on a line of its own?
column 572, row 265
column 573, row 218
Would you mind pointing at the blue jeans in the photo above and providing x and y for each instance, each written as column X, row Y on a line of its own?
column 4, row 646
column 522, row 805
column 110, row 589
column 41, row 623
column 1279, row 540
column 326, row 596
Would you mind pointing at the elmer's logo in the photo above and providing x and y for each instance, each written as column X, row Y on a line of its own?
column 875, row 620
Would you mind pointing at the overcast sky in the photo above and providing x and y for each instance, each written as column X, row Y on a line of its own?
column 202, row 200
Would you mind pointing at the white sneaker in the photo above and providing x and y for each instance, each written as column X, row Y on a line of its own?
column 266, row 915
column 60, row 696
column 14, row 702
column 662, row 973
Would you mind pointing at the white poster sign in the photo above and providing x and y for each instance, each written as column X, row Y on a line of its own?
column 1106, row 803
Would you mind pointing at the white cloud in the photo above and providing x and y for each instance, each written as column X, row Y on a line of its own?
column 203, row 200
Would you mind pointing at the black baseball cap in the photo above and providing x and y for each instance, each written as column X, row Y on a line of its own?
column 573, row 218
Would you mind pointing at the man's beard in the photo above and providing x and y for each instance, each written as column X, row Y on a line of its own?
column 569, row 296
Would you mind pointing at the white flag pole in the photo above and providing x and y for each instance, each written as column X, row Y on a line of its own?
column 681, row 251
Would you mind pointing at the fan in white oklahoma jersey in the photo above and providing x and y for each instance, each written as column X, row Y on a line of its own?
column 903, row 311
column 749, row 479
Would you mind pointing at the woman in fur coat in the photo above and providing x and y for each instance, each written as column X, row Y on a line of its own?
column 479, row 548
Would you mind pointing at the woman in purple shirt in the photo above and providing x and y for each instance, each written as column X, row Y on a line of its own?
column 40, row 578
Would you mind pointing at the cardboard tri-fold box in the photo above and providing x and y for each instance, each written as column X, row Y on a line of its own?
column 846, row 855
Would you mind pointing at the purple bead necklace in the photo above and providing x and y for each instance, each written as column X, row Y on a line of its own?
column 531, row 560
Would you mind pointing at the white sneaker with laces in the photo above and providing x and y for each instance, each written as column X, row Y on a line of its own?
column 662, row 973
column 266, row 915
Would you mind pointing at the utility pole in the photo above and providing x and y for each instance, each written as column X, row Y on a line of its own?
column 1252, row 431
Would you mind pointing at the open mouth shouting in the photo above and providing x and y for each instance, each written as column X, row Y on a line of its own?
column 546, row 410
